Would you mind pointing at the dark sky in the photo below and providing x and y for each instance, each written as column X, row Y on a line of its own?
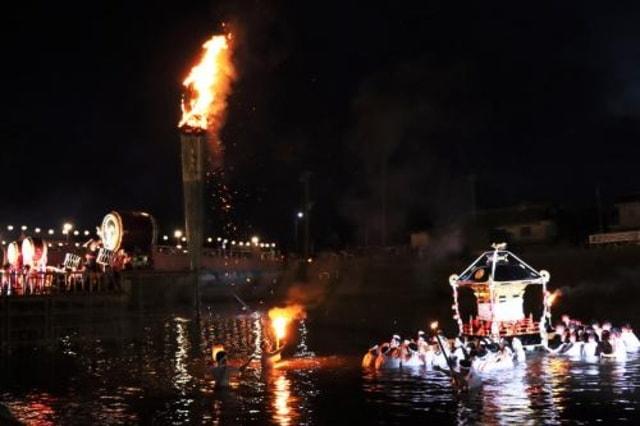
column 401, row 102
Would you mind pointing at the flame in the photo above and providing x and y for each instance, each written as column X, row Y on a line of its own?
column 215, row 349
column 551, row 297
column 280, row 318
column 208, row 85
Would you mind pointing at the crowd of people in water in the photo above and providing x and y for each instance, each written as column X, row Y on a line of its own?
column 570, row 338
column 592, row 341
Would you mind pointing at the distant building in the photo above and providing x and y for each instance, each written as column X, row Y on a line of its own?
column 522, row 224
column 626, row 213
column 624, row 225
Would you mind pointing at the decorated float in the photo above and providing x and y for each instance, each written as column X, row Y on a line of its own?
column 498, row 280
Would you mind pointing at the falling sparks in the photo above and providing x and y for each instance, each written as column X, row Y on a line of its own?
column 222, row 200
column 208, row 85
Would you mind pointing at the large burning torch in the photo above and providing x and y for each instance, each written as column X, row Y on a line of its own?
column 280, row 319
column 203, row 108
column 549, row 300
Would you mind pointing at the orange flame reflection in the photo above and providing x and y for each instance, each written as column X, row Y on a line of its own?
column 208, row 85
column 281, row 402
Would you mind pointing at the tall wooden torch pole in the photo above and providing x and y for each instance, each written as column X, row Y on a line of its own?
column 193, row 145
column 192, row 183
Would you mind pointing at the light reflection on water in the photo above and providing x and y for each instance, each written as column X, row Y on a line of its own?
column 162, row 377
column 282, row 400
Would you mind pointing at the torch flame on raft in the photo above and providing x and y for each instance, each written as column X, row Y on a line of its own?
column 208, row 85
column 551, row 297
column 281, row 317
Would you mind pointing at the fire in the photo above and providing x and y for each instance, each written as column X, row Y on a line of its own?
column 280, row 326
column 215, row 349
column 551, row 297
column 280, row 318
column 208, row 85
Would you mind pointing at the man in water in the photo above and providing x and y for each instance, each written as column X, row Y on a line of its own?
column 629, row 338
column 558, row 338
column 270, row 357
column 604, row 346
column 221, row 369
column 370, row 357
column 395, row 341
column 590, row 347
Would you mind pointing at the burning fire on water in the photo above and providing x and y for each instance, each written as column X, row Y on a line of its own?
column 281, row 317
column 551, row 297
column 208, row 85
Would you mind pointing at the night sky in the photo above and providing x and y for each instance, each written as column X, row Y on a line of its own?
column 536, row 101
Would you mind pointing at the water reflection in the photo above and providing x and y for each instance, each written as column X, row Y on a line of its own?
column 282, row 400
column 161, row 376
column 549, row 390
column 181, row 378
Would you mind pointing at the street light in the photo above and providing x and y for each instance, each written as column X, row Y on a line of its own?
column 24, row 227
column 9, row 227
column 50, row 231
column 255, row 240
column 66, row 228
column 296, row 222
column 177, row 234
column 37, row 230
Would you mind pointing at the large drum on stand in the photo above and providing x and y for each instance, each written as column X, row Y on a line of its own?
column 135, row 232
column 13, row 255
column 34, row 252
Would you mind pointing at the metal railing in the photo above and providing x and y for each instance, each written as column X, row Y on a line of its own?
column 479, row 327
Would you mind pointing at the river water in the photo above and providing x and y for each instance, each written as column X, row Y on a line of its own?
column 158, row 375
